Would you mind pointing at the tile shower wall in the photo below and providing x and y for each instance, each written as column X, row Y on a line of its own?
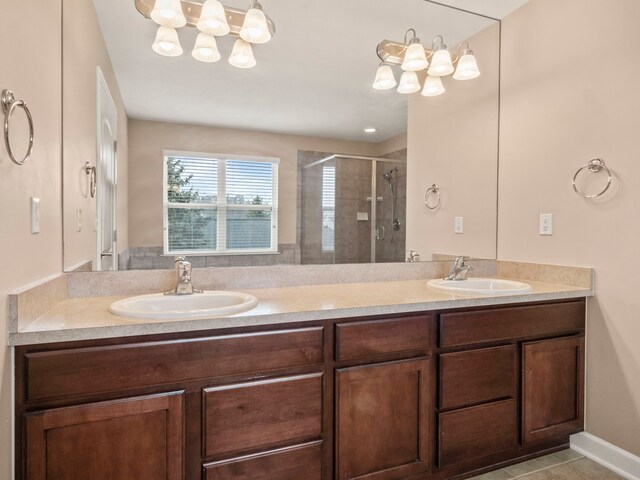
column 392, row 248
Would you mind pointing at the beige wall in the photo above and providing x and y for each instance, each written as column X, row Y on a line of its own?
column 148, row 139
column 570, row 93
column 31, row 68
column 453, row 142
column 84, row 50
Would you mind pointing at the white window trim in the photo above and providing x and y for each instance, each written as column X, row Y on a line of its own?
column 221, row 206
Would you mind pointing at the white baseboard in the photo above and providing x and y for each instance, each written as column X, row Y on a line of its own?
column 614, row 458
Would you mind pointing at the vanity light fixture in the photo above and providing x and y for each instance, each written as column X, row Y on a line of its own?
column 412, row 57
column 212, row 19
column 385, row 78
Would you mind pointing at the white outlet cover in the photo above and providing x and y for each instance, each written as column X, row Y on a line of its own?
column 458, row 225
column 546, row 224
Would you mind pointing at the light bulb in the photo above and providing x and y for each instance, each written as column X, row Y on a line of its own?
column 242, row 55
column 415, row 58
column 168, row 13
column 255, row 28
column 433, row 87
column 213, row 19
column 384, row 78
column 441, row 63
column 467, row 67
column 167, row 42
column 409, row 83
column 206, row 49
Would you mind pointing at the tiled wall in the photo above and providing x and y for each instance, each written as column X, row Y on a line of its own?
column 147, row 258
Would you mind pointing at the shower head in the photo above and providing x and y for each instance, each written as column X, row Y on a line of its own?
column 388, row 176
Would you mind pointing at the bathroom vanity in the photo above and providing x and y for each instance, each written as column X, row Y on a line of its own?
column 432, row 394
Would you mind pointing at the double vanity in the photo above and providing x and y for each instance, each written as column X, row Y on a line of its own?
column 371, row 381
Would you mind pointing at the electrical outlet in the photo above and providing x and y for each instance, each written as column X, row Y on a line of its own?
column 35, row 215
column 546, row 224
column 458, row 225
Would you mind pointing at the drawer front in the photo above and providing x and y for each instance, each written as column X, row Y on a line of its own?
column 476, row 432
column 86, row 371
column 493, row 325
column 478, row 376
column 248, row 416
column 294, row 463
column 380, row 337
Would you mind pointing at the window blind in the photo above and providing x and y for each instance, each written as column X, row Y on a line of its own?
column 220, row 204
column 328, row 208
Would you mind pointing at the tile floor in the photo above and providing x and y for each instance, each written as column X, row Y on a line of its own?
column 563, row 465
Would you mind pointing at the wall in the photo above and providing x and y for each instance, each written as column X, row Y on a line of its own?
column 84, row 50
column 31, row 68
column 453, row 142
column 569, row 94
column 147, row 139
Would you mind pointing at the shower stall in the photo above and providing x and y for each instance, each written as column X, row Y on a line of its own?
column 352, row 208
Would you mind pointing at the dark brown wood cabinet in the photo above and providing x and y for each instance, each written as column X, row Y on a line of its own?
column 382, row 420
column 424, row 396
column 139, row 438
column 552, row 387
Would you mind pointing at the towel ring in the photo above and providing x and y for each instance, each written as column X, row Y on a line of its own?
column 435, row 189
column 594, row 166
column 91, row 171
column 9, row 104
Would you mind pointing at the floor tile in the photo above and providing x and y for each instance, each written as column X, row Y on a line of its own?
column 496, row 475
column 581, row 469
column 566, row 455
column 531, row 465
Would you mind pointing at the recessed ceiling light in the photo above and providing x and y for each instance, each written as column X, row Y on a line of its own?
column 370, row 130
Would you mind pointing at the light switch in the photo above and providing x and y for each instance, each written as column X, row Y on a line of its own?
column 35, row 215
column 459, row 225
column 78, row 219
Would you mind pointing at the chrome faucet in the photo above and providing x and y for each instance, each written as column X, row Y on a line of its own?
column 411, row 256
column 184, row 287
column 460, row 269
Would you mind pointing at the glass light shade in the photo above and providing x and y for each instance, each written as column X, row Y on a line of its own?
column 242, row 55
column 168, row 13
column 415, row 58
column 167, row 42
column 467, row 68
column 433, row 87
column 206, row 49
column 213, row 19
column 409, row 83
column 255, row 28
column 441, row 64
column 384, row 78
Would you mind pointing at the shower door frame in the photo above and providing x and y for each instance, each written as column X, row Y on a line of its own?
column 374, row 186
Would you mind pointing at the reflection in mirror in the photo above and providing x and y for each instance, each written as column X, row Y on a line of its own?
column 302, row 159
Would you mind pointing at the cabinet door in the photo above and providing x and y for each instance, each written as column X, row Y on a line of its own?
column 383, row 420
column 552, row 387
column 134, row 438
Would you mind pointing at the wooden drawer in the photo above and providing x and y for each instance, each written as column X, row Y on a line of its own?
column 302, row 462
column 248, row 416
column 380, row 337
column 478, row 376
column 86, row 371
column 477, row 432
column 493, row 325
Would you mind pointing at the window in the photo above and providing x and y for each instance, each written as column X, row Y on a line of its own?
column 328, row 208
column 220, row 204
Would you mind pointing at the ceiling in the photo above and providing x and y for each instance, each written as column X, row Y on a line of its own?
column 492, row 8
column 314, row 78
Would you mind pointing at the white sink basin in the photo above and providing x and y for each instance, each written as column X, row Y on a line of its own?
column 197, row 306
column 491, row 286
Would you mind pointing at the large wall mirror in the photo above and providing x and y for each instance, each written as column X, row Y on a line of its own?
column 295, row 160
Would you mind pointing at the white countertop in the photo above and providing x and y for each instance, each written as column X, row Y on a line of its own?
column 89, row 318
